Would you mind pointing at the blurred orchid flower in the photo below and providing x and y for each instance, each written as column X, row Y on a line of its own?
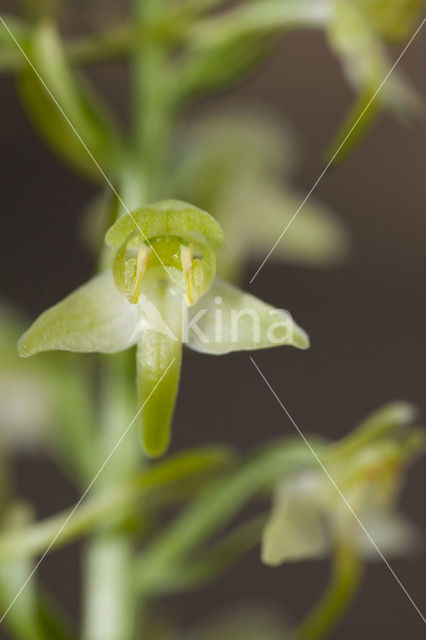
column 237, row 166
column 309, row 516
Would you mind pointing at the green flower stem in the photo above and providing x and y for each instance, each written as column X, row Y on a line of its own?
column 53, row 620
column 107, row 612
column 109, row 556
column 152, row 97
column 347, row 570
column 109, row 607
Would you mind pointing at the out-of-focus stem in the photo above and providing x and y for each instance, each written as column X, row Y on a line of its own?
column 152, row 98
column 339, row 594
column 108, row 603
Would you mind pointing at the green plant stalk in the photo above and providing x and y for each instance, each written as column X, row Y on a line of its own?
column 152, row 98
column 347, row 571
column 108, row 600
column 109, row 555
column 109, row 604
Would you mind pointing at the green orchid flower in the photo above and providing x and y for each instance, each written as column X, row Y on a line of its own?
column 161, row 293
column 309, row 516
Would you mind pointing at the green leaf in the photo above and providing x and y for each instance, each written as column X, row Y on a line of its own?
column 95, row 317
column 260, row 16
column 10, row 56
column 22, row 617
column 167, row 218
column 219, row 67
column 182, row 466
column 227, row 46
column 228, row 319
column 159, row 355
column 212, row 561
column 359, row 120
column 214, row 507
column 366, row 65
column 53, row 620
column 82, row 108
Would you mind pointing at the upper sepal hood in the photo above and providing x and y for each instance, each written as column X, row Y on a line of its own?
column 168, row 238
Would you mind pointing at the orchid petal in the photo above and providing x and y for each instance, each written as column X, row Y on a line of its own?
column 95, row 317
column 295, row 530
column 228, row 319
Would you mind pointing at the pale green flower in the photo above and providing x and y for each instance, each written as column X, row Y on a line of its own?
column 309, row 516
column 238, row 166
column 164, row 263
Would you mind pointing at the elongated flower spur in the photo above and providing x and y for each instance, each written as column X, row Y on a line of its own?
column 165, row 262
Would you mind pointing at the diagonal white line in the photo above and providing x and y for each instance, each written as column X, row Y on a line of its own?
column 76, row 506
column 343, row 497
column 330, row 162
column 84, row 145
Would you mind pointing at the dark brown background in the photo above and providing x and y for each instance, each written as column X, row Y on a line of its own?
column 366, row 318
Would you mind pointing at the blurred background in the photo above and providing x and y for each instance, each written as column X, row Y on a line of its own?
column 366, row 316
